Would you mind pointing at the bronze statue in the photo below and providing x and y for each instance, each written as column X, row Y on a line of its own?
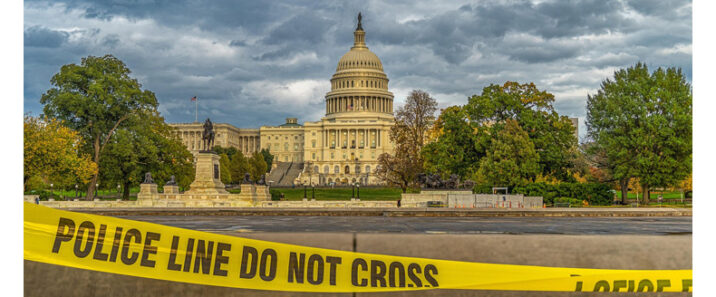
column 148, row 178
column 359, row 22
column 171, row 181
column 247, row 178
column 207, row 136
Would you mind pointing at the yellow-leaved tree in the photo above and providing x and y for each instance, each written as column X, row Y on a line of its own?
column 51, row 152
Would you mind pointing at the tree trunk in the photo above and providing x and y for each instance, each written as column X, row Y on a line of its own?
column 645, row 190
column 125, row 193
column 624, row 184
column 95, row 177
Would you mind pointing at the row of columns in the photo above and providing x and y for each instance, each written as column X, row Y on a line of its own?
column 248, row 144
column 354, row 103
column 335, row 138
column 192, row 139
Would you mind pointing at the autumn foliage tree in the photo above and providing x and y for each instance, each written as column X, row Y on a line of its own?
column 409, row 134
column 52, row 152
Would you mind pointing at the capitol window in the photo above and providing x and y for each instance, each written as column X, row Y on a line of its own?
column 313, row 143
column 336, row 169
column 326, row 169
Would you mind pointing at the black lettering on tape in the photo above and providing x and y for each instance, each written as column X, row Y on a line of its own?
column 172, row 265
column 204, row 252
column 430, row 272
column 63, row 235
column 579, row 287
column 246, row 271
column 645, row 285
column 296, row 267
column 413, row 271
column 149, row 249
column 115, row 244
column 317, row 261
column 661, row 284
column 189, row 254
column 354, row 272
column 601, row 286
column 377, row 273
column 221, row 259
column 271, row 274
column 619, row 284
column 396, row 266
column 132, row 233
column 98, row 255
column 630, row 287
column 333, row 264
column 686, row 285
column 89, row 228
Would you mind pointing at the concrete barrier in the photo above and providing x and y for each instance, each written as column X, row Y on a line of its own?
column 586, row 251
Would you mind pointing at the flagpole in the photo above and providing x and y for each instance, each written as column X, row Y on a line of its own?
column 196, row 109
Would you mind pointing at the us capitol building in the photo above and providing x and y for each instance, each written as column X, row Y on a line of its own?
column 343, row 147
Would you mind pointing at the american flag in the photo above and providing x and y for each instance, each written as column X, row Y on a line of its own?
column 193, row 98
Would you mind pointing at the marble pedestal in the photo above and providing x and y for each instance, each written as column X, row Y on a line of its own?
column 208, row 176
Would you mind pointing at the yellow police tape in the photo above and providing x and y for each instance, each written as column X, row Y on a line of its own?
column 149, row 250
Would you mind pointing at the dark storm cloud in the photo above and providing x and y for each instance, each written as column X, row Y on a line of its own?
column 42, row 37
column 256, row 62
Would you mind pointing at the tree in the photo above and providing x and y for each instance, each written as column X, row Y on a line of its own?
column 51, row 152
column 643, row 122
column 268, row 158
column 552, row 134
column 511, row 159
column 95, row 99
column 239, row 167
column 257, row 166
column 409, row 134
column 225, row 165
column 148, row 146
column 454, row 149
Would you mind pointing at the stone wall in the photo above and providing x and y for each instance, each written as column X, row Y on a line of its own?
column 465, row 199
column 353, row 203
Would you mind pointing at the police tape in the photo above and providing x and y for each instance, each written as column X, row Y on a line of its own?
column 155, row 251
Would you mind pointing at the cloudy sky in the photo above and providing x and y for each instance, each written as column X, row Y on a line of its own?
column 253, row 63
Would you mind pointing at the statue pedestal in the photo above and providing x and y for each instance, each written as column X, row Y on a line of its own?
column 248, row 192
column 262, row 193
column 208, row 176
column 147, row 192
column 170, row 189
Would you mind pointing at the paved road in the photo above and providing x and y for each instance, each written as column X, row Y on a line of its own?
column 452, row 225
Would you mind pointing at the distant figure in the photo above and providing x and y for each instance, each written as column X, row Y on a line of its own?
column 207, row 136
column 171, row 181
column 148, row 178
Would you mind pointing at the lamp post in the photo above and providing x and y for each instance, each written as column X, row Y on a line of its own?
column 353, row 190
column 358, row 189
column 304, row 190
column 313, row 191
column 96, row 188
column 76, row 195
column 52, row 191
column 118, row 188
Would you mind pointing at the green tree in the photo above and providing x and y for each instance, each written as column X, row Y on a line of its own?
column 257, row 166
column 511, row 159
column 148, row 146
column 239, row 167
column 408, row 134
column 51, row 152
column 454, row 150
column 95, row 99
column 552, row 134
column 225, row 165
column 268, row 157
column 643, row 123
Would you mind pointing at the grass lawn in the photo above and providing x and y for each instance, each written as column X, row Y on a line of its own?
column 339, row 193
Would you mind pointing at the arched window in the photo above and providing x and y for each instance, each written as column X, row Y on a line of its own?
column 336, row 169
column 347, row 169
column 357, row 168
column 326, row 169
column 367, row 168
column 315, row 169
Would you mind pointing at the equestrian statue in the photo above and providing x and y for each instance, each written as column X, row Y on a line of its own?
column 207, row 137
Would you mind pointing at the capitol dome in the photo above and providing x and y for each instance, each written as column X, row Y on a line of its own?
column 359, row 84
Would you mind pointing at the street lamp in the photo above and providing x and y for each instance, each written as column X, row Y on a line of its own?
column 358, row 189
column 76, row 195
column 313, row 191
column 52, row 191
column 304, row 190
column 353, row 190
column 118, row 188
column 96, row 188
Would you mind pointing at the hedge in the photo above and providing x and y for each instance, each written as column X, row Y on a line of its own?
column 594, row 193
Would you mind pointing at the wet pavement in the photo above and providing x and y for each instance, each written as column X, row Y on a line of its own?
column 430, row 225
